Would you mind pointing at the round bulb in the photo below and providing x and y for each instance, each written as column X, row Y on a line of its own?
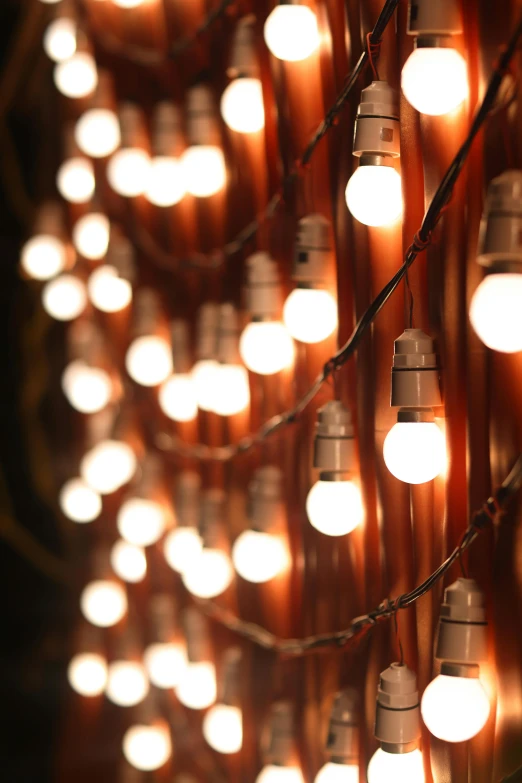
column 127, row 3
column 149, row 360
column 75, row 180
column 103, row 603
column 455, row 709
column 204, row 170
column 97, row 133
column 310, row 315
column 128, row 561
column 275, row 774
column 165, row 663
column 496, row 312
column 338, row 773
column 231, row 389
column 140, row 521
column 128, row 172
column 334, row 507
column 204, row 375
column 242, row 105
column 127, row 683
column 108, row 466
column 166, row 182
column 91, row 234
column 147, row 747
column 107, row 291
column 177, row 398
column 396, row 767
column 259, row 557
column 76, row 77
column 197, row 689
column 266, row 347
column 291, row 32
column 210, row 574
column 435, row 80
column 374, row 195
column 182, row 548
column 223, row 728
column 43, row 257
column 415, row 452
column 59, row 41
column 64, row 298
column 87, row 674
column 78, row 501
column 88, row 389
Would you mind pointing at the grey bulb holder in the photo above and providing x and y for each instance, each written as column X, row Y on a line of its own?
column 343, row 730
column 500, row 240
column 462, row 637
column 265, row 498
column 426, row 18
column 263, row 287
column 201, row 116
column 415, row 384
column 334, row 444
column 196, row 636
column 377, row 132
column 229, row 685
column 243, row 60
column 280, row 734
column 187, row 499
column 211, row 518
column 312, row 249
column 179, row 335
column 397, row 719
column 228, row 335
column 206, row 331
column 166, row 129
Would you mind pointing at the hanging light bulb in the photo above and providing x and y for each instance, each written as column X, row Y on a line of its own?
column 165, row 659
column 147, row 745
column 103, row 602
column 88, row 389
column 343, row 742
column 59, row 41
column 64, row 298
column 127, row 683
column 183, row 545
column 223, row 723
column 87, row 674
column 231, row 393
column 108, row 466
column 278, row 766
column 204, row 372
column 97, row 132
column 203, row 161
column 77, row 76
column 110, row 284
column 91, row 235
column 127, row 3
column 128, row 168
column 149, row 356
column 78, row 501
column 197, row 688
column 373, row 193
column 128, row 561
column 75, row 180
column 177, row 395
column 141, row 520
column 291, row 31
column 166, row 182
column 242, row 105
column 45, row 255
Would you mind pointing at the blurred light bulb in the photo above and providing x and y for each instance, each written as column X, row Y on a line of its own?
column 78, row 501
column 128, row 172
column 43, row 257
column 334, row 507
column 231, row 392
column 396, row 767
column 59, row 41
column 127, row 683
column 147, row 747
column 108, row 466
column 140, row 521
column 127, row 3
column 276, row 774
column 88, row 389
column 64, row 298
column 197, row 688
column 291, row 32
column 166, row 182
column 177, row 398
column 87, row 674
column 332, row 772
column 76, row 77
column 242, row 105
column 75, row 180
column 204, row 170
column 310, row 314
column 455, row 709
column 182, row 548
column 223, row 728
column 166, row 664
column 204, row 375
column 91, row 234
column 149, row 360
column 97, row 133
column 496, row 312
column 107, row 291
column 259, row 557
column 266, row 346
column 103, row 603
column 128, row 561
column 210, row 575
column 415, row 452
column 374, row 195
column 435, row 80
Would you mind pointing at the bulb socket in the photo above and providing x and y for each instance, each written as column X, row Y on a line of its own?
column 428, row 18
column 167, row 133
column 206, row 331
column 201, row 117
column 131, row 124
column 462, row 637
column 243, row 60
column 280, row 734
column 146, row 313
column 187, row 499
column 120, row 255
column 162, row 612
column 179, row 336
column 263, row 287
column 211, row 517
column 500, row 239
column 377, row 130
column 397, row 719
column 342, row 744
column 312, row 250
column 196, row 636
column 265, row 501
column 415, row 374
column 334, row 445
column 228, row 335
column 229, row 690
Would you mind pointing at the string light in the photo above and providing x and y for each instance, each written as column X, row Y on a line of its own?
column 103, row 602
column 91, row 234
column 127, row 3
column 279, row 767
column 147, row 747
column 64, row 298
column 223, row 723
column 59, row 41
column 87, row 674
column 141, row 520
column 291, row 32
column 108, row 466
column 128, row 561
column 177, row 395
column 78, row 502
column 77, row 76
column 97, row 132
column 88, row 389
column 44, row 255
column 231, row 393
column 149, row 357
column 166, row 182
column 204, row 372
column 127, row 683
column 197, row 688
column 164, row 659
column 75, row 180
column 242, row 105
column 203, row 161
column 183, row 545
column 343, row 742
column 128, row 169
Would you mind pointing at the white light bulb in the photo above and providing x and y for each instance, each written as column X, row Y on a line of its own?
column 435, row 80
column 128, row 561
column 396, row 767
column 97, row 133
column 88, row 389
column 338, row 773
column 259, row 557
column 276, row 774
column 127, row 3
column 87, row 674
column 415, row 452
column 177, row 398
column 223, row 728
column 140, row 521
column 127, row 683
column 147, row 747
column 334, row 507
column 374, row 195
column 91, row 234
column 242, row 105
column 75, row 180
column 291, row 32
column 108, row 466
column 149, row 360
column 204, row 170
column 128, row 172
column 455, row 709
column 64, row 298
column 496, row 312
column 43, row 257
column 231, row 389
column 210, row 574
column 103, row 603
column 107, row 291
column 310, row 315
column 59, row 41
column 266, row 347
column 197, row 688
column 165, row 663
column 78, row 501
column 166, row 182
column 182, row 548
column 204, row 375
column 76, row 77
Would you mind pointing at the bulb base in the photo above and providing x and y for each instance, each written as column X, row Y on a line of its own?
column 467, row 670
column 441, row 18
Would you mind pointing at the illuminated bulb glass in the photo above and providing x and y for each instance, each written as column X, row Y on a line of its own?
column 415, row 452
column 396, row 767
column 149, row 360
column 166, row 182
column 147, row 747
column 204, row 375
column 127, row 683
column 223, row 728
column 275, row 774
column 291, row 32
column 43, row 257
column 210, row 575
column 266, row 347
column 64, row 298
column 128, row 172
column 76, row 77
column 338, row 773
column 204, row 170
column 197, row 689
column 97, row 133
column 455, row 709
column 128, row 561
column 88, row 389
column 310, row 315
column 91, row 235
column 75, row 180
column 141, row 521
column 103, row 603
column 496, row 312
column 182, row 548
column 334, row 507
column 231, row 389
column 435, row 80
column 78, row 501
column 87, row 674
column 177, row 398
column 242, row 105
column 374, row 195
column 107, row 291
column 165, row 663
column 127, row 3
column 108, row 466
column 259, row 557
column 59, row 41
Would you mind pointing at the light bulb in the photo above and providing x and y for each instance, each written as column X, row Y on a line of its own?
column 291, row 32
column 276, row 774
column 107, row 291
column 88, row 389
column 128, row 561
column 43, row 257
column 128, row 172
column 127, row 3
column 177, row 398
column 149, row 360
column 415, row 452
column 108, row 466
column 165, row 663
column 374, row 195
column 338, row 773
column 166, row 182
column 334, row 507
column 78, row 501
column 147, row 747
column 242, row 105
column 435, row 79
column 103, row 603
column 496, row 312
column 59, row 41
column 204, row 170
column 97, row 133
column 76, row 77
column 310, row 314
column 75, row 180
column 223, row 728
column 266, row 347
column 204, row 375
column 182, row 548
column 87, row 674
column 210, row 575
column 396, row 767
column 141, row 521
column 259, row 557
column 197, row 688
column 231, row 389
column 64, row 298
column 91, row 235
column 127, row 683
column 455, row 709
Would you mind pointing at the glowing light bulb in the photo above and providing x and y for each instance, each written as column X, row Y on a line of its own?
column 59, row 41
column 127, row 683
column 496, row 312
column 149, row 360
column 108, row 466
column 435, row 80
column 415, row 452
column 128, row 172
column 64, row 298
column 334, row 507
column 231, row 392
column 76, row 77
column 291, row 32
column 127, row 3
column 396, row 767
column 107, row 291
column 88, row 389
column 43, row 257
column 128, row 561
column 147, row 747
column 166, row 183
column 75, row 180
column 338, row 773
column 87, row 674
column 223, row 728
column 455, row 709
column 210, row 575
column 197, row 689
column 310, row 314
column 204, row 170
column 204, row 375
column 266, row 347
column 78, row 501
column 242, row 105
column 165, row 663
column 103, row 603
column 259, row 557
column 97, row 133
column 91, row 235
column 177, row 398
column 374, row 195
column 275, row 774
column 182, row 548
column 141, row 521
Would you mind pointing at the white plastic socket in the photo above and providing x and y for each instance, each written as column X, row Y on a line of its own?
column 462, row 635
column 377, row 123
column 397, row 720
column 166, row 129
column 187, row 499
column 228, row 335
column 196, row 636
column 120, row 255
column 201, row 116
column 500, row 241
column 415, row 374
column 312, row 249
column 280, row 734
column 265, row 501
column 263, row 287
column 85, row 342
column 334, row 445
column 179, row 336
column 243, row 60
column 426, row 18
column 146, row 312
column 162, row 609
column 343, row 731
column 130, row 119
column 212, row 511
column 229, row 686
column 206, row 331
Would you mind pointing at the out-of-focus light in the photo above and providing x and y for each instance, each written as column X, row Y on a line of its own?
column 334, row 507
column 128, row 172
column 231, row 389
column 204, row 374
column 91, row 235
column 75, row 180
column 108, row 466
column 291, row 34
column 177, row 398
column 59, row 39
column 43, row 257
column 276, row 774
column 149, row 360
column 223, row 728
column 266, row 347
column 128, row 561
column 166, row 182
column 88, row 389
column 107, row 291
column 204, row 170
column 301, row 303
column 338, row 773
column 141, row 521
column 166, row 664
column 147, row 747
column 259, row 557
column 97, row 133
column 182, row 548
column 242, row 105
column 197, row 688
column 87, row 674
column 210, row 574
column 76, row 77
column 127, row 683
column 496, row 312
column 103, row 603
column 396, row 767
column 64, row 298
column 78, row 501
